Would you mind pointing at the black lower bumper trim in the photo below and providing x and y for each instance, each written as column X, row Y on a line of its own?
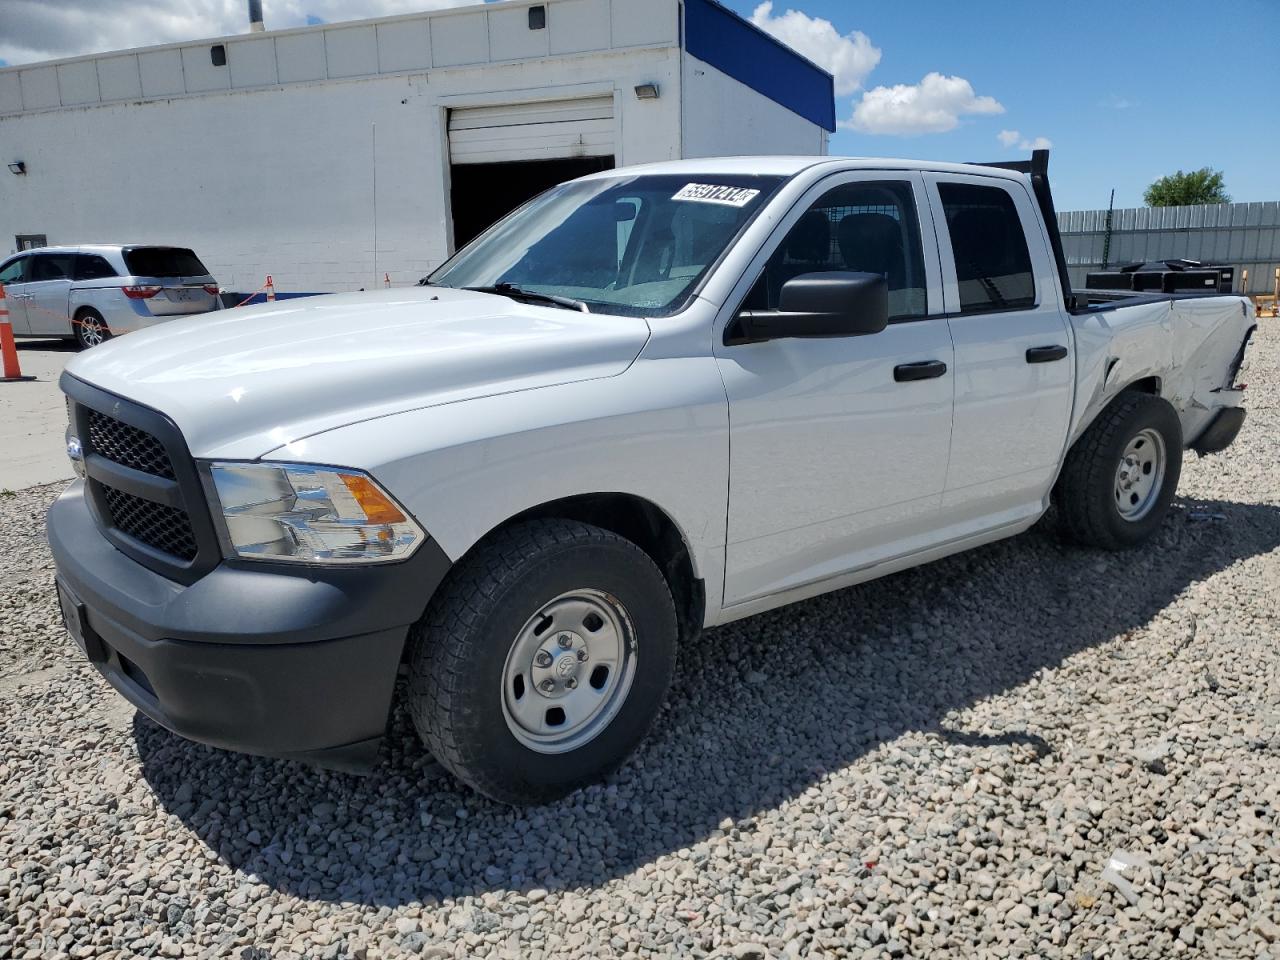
column 1221, row 432
column 288, row 665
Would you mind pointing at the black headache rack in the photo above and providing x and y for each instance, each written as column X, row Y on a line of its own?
column 1037, row 168
column 1178, row 280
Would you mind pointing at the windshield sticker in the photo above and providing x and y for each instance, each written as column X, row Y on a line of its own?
column 716, row 193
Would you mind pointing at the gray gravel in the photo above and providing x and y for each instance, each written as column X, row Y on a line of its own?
column 1026, row 750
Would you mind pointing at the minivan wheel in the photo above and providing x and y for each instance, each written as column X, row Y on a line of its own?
column 543, row 660
column 1121, row 475
column 90, row 329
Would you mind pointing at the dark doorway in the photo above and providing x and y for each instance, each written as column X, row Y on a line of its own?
column 483, row 193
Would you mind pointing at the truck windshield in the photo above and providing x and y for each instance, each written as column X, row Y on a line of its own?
column 634, row 245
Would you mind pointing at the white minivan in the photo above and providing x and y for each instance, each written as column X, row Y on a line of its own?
column 92, row 293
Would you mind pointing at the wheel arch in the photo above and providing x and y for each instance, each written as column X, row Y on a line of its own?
column 1151, row 384
column 646, row 525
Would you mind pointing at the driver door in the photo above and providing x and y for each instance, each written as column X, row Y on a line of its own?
column 839, row 445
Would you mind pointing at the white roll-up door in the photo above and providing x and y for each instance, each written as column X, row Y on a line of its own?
column 547, row 130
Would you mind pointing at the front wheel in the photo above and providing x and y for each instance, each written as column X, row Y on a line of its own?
column 90, row 329
column 1120, row 477
column 543, row 661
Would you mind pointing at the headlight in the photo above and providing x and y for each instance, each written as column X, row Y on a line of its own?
column 309, row 514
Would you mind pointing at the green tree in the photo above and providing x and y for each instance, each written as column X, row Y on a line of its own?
column 1182, row 189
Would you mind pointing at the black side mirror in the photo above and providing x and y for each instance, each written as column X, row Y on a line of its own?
column 831, row 304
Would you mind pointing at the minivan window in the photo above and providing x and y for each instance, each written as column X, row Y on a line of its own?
column 163, row 262
column 90, row 266
column 51, row 266
column 13, row 271
column 993, row 265
column 635, row 245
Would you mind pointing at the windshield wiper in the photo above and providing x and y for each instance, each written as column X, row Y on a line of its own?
column 516, row 293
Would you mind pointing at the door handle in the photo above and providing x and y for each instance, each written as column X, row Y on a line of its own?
column 921, row 370
column 1046, row 354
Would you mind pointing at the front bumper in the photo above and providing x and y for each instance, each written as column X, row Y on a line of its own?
column 251, row 657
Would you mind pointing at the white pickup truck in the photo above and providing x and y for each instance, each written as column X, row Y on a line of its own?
column 649, row 401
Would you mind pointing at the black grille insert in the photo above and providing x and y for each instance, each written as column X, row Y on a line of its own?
column 158, row 526
column 128, row 446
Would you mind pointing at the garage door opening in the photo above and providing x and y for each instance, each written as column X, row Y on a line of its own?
column 483, row 193
column 501, row 156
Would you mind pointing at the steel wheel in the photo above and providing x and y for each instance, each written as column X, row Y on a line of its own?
column 1140, row 475
column 568, row 671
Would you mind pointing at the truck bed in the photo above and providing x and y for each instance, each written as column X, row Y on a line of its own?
column 1185, row 346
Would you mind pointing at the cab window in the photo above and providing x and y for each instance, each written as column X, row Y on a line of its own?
column 864, row 227
column 993, row 265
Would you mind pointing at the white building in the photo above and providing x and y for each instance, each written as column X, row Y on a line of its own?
column 331, row 155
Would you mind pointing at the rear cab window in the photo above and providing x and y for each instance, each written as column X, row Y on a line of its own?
column 993, row 263
column 163, row 262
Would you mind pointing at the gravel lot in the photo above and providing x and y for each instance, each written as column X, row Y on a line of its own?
column 940, row 764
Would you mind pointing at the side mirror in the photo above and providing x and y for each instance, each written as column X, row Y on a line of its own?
column 832, row 304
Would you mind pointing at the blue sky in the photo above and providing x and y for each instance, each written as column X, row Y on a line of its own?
column 1199, row 87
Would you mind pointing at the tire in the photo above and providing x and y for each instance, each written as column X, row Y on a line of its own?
column 477, row 693
column 90, row 329
column 1107, row 501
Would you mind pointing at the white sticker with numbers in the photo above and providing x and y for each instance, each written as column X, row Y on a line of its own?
column 716, row 193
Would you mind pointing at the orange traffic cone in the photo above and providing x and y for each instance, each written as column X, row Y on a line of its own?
column 271, row 290
column 8, row 350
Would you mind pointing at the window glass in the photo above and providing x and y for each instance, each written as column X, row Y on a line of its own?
column 634, row 245
column 163, row 262
column 858, row 227
column 12, row 273
column 51, row 266
column 993, row 265
column 90, row 266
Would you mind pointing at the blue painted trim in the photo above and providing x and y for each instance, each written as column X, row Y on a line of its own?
column 230, row 300
column 736, row 47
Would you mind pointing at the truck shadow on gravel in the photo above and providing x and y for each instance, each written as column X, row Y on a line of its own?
column 759, row 712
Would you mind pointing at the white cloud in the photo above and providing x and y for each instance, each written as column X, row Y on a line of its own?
column 848, row 57
column 934, row 105
column 1010, row 138
column 44, row 30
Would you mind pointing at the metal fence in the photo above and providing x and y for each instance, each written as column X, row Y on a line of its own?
column 1243, row 235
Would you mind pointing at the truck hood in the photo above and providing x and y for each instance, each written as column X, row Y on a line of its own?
column 240, row 383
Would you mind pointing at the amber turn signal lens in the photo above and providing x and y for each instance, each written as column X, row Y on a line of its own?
column 377, row 508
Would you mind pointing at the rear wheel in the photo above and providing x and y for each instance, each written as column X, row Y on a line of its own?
column 90, row 329
column 1120, row 477
column 542, row 662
